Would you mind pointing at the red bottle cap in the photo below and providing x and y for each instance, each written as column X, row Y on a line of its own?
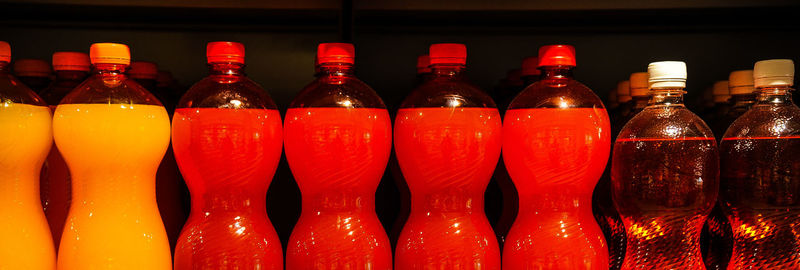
column 423, row 64
column 448, row 53
column 143, row 70
column 530, row 66
column 557, row 55
column 5, row 52
column 336, row 53
column 32, row 68
column 225, row 52
column 71, row 61
column 110, row 53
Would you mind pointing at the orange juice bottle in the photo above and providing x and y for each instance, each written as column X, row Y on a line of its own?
column 112, row 134
column 25, row 241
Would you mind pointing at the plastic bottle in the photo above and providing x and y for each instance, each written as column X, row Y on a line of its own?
column 447, row 139
column 72, row 68
column 34, row 73
column 624, row 98
column 530, row 71
column 760, row 159
column 556, row 141
column 721, row 94
column 338, row 139
column 27, row 137
column 112, row 134
column 664, row 176
column 226, row 135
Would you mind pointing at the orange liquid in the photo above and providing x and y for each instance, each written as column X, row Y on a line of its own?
column 555, row 157
column 56, row 189
column 447, row 156
column 337, row 156
column 113, row 151
column 25, row 241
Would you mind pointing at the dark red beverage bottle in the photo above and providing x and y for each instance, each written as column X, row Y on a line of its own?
column 664, row 176
column 447, row 140
column 226, row 133
column 34, row 73
column 556, row 141
column 338, row 139
column 760, row 183
column 72, row 68
column 717, row 232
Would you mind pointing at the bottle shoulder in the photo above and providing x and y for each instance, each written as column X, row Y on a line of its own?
column 557, row 93
column 237, row 92
column 338, row 91
column 13, row 90
column 448, row 92
column 665, row 122
column 110, row 90
column 766, row 121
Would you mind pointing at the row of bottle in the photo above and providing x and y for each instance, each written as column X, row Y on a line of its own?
column 227, row 137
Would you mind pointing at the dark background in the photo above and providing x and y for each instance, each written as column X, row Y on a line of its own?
column 613, row 39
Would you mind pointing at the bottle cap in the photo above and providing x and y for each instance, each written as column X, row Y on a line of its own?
column 741, row 82
column 225, row 52
column 448, row 53
column 32, row 68
column 71, row 61
column 423, row 64
column 623, row 91
column 110, row 53
column 720, row 91
column 557, row 55
column 5, row 52
column 667, row 74
column 775, row 72
column 143, row 70
column 639, row 84
column 530, row 66
column 612, row 98
column 336, row 53
column 163, row 78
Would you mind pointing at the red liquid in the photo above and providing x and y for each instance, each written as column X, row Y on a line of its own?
column 555, row 157
column 761, row 195
column 447, row 156
column 228, row 158
column 664, row 189
column 55, row 191
column 337, row 156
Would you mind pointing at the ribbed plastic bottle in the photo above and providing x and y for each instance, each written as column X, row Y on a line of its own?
column 760, row 183
column 338, row 138
column 664, row 176
column 226, row 134
column 112, row 134
column 717, row 231
column 72, row 68
column 556, row 142
column 35, row 73
column 448, row 140
column 25, row 241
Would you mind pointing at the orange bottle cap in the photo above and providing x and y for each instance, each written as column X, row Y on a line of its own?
column 557, row 55
column 448, row 53
column 336, row 53
column 110, row 53
column 71, row 61
column 32, row 68
column 5, row 52
column 423, row 64
column 143, row 70
column 225, row 52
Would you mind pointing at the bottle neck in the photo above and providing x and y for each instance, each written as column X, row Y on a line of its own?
column 774, row 95
column 743, row 100
column 666, row 97
column 335, row 69
column 4, row 67
column 447, row 70
column 227, row 69
column 556, row 72
column 71, row 75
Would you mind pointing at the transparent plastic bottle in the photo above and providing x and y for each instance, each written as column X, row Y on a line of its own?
column 721, row 94
column 72, row 68
column 717, row 232
column 760, row 183
column 25, row 241
column 227, row 140
column 556, row 141
column 338, row 139
column 447, row 139
column 664, row 176
column 35, row 73
column 112, row 134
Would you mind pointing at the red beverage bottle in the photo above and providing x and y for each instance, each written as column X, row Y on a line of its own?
column 226, row 134
column 34, row 73
column 556, row 141
column 338, row 138
column 447, row 140
column 717, row 231
column 760, row 179
column 72, row 68
column 664, row 176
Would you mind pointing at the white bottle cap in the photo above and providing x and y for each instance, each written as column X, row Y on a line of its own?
column 741, row 82
column 639, row 84
column 623, row 91
column 773, row 72
column 720, row 92
column 667, row 74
